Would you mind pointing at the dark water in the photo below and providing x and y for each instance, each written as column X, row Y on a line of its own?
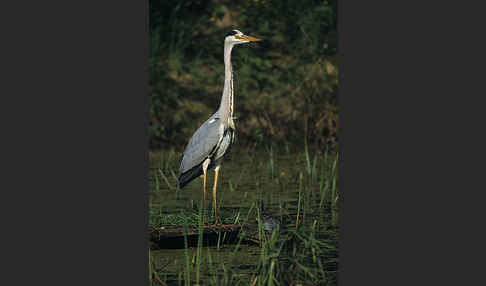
column 246, row 179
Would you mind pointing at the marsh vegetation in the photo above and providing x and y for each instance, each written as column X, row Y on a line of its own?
column 298, row 188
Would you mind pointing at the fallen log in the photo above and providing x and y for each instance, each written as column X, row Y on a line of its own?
column 172, row 237
column 159, row 233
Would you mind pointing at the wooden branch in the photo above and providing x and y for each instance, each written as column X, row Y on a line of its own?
column 159, row 233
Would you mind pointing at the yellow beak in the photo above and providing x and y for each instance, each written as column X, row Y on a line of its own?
column 249, row 39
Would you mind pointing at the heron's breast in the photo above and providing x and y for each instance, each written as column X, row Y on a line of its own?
column 225, row 143
column 231, row 123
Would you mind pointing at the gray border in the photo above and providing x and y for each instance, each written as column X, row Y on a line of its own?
column 403, row 99
column 76, row 165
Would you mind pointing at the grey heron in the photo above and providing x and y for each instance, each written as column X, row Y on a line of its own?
column 212, row 140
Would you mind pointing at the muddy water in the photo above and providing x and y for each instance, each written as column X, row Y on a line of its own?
column 246, row 178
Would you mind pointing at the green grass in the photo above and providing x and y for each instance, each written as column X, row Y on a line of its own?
column 191, row 218
column 305, row 251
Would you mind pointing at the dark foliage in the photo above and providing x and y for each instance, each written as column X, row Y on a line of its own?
column 285, row 86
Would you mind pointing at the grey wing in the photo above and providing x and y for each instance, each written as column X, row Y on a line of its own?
column 202, row 144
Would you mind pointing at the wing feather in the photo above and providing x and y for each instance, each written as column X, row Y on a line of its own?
column 202, row 144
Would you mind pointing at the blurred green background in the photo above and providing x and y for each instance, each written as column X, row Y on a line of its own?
column 285, row 86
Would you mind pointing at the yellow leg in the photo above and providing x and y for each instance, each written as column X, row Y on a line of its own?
column 204, row 167
column 204, row 188
column 216, row 171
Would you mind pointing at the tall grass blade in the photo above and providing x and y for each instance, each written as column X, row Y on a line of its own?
column 173, row 175
column 165, row 179
column 271, row 163
column 307, row 159
column 157, row 186
column 199, row 239
column 186, row 258
column 299, row 202
column 314, row 168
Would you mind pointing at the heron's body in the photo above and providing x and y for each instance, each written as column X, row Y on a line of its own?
column 213, row 139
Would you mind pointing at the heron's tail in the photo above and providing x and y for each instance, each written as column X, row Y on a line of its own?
column 189, row 175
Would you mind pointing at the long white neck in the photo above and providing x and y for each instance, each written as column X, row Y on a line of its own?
column 227, row 100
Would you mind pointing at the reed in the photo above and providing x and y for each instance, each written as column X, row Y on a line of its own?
column 306, row 254
column 186, row 259
column 297, row 221
column 199, row 240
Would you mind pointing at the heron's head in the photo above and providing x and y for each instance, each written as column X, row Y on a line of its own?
column 236, row 37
